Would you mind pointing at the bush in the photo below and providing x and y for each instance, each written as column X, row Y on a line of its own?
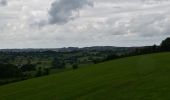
column 28, row 67
column 39, row 72
column 9, row 71
column 58, row 64
column 46, row 71
column 165, row 45
column 75, row 66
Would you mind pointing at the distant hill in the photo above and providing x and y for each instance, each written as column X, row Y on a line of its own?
column 67, row 49
column 143, row 77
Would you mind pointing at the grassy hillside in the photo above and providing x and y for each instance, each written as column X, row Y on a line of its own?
column 144, row 77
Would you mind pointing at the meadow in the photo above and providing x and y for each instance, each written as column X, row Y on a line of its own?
column 144, row 77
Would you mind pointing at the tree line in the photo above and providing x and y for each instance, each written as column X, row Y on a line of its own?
column 21, row 72
column 163, row 47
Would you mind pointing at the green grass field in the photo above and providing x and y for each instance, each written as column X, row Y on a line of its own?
column 144, row 77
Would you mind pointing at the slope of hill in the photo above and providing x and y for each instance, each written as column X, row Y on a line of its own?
column 134, row 78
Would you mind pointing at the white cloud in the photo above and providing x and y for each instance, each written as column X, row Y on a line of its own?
column 108, row 22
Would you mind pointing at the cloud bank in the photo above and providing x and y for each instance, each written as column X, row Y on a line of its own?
column 83, row 23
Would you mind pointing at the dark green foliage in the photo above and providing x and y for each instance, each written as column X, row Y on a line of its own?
column 74, row 56
column 58, row 63
column 39, row 72
column 75, row 66
column 46, row 71
column 97, row 60
column 42, row 71
column 9, row 71
column 28, row 67
column 5, row 59
column 111, row 57
column 165, row 45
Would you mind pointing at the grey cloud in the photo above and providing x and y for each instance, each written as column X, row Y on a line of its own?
column 150, row 25
column 63, row 11
column 109, row 22
column 3, row 2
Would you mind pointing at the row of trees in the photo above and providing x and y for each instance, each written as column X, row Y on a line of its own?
column 9, row 71
column 164, row 46
column 60, row 64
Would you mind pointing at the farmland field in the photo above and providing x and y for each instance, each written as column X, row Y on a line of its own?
column 144, row 77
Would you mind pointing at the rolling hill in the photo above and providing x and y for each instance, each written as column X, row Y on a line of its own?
column 145, row 77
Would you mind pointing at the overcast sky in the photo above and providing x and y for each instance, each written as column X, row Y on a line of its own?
column 64, row 23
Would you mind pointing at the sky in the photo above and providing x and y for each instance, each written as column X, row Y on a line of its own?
column 82, row 23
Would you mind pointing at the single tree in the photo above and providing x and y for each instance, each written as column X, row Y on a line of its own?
column 165, row 45
column 39, row 72
column 75, row 66
column 58, row 63
column 46, row 71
